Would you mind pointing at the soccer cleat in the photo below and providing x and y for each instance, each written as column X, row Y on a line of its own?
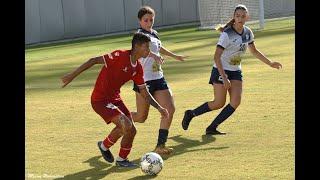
column 186, row 119
column 214, row 132
column 126, row 163
column 163, row 150
column 107, row 155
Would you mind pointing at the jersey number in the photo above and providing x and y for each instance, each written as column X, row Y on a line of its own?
column 242, row 47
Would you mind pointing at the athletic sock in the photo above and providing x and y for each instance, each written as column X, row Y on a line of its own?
column 224, row 114
column 163, row 136
column 107, row 143
column 124, row 151
column 201, row 109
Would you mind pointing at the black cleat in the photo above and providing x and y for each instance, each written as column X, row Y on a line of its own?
column 106, row 154
column 186, row 119
column 126, row 163
column 214, row 132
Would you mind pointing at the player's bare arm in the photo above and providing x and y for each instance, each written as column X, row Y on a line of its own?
column 148, row 97
column 66, row 79
column 166, row 52
column 217, row 60
column 158, row 59
column 262, row 57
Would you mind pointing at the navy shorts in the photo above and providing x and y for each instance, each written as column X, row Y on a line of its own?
column 231, row 75
column 153, row 85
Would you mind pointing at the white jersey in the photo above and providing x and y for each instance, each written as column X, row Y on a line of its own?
column 151, row 69
column 234, row 45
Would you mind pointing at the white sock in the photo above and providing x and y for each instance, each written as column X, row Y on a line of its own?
column 103, row 147
column 120, row 158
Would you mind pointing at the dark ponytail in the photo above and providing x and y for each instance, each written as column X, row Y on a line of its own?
column 222, row 28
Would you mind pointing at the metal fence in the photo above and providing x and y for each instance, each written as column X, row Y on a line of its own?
column 51, row 20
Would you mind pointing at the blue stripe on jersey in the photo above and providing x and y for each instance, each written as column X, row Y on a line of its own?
column 245, row 35
column 152, row 33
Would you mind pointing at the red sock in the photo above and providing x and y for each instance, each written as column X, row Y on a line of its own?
column 108, row 142
column 124, row 151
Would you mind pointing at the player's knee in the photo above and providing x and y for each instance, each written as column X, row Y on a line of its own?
column 143, row 117
column 235, row 103
column 125, row 122
column 216, row 104
column 172, row 109
column 133, row 131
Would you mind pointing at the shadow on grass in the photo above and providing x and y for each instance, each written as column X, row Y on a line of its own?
column 143, row 177
column 186, row 145
column 99, row 169
column 102, row 169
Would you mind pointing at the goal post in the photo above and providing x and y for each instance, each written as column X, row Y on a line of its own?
column 261, row 14
column 215, row 12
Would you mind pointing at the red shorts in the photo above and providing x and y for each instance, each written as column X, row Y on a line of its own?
column 108, row 110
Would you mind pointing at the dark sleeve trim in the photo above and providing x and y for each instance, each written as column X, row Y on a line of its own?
column 220, row 46
column 251, row 42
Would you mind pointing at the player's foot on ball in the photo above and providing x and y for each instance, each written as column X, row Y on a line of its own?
column 126, row 163
column 186, row 119
column 163, row 150
column 107, row 155
column 214, row 132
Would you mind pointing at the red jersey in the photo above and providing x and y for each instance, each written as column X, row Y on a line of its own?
column 116, row 71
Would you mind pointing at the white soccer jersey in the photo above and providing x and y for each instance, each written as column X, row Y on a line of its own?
column 234, row 45
column 151, row 69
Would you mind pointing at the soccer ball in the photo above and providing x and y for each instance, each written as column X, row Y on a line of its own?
column 151, row 163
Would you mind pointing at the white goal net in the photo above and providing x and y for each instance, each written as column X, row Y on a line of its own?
column 214, row 12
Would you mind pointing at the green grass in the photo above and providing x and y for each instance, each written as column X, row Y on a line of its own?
column 62, row 129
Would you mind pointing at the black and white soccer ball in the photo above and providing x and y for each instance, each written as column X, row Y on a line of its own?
column 151, row 163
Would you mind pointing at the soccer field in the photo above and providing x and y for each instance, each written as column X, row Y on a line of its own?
column 62, row 129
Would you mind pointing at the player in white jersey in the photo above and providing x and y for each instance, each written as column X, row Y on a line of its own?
column 226, row 75
column 156, row 83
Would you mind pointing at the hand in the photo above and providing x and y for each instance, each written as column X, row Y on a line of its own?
column 164, row 113
column 180, row 57
column 66, row 79
column 276, row 65
column 226, row 83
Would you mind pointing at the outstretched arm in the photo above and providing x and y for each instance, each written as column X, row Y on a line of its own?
column 166, row 52
column 66, row 79
column 262, row 57
column 148, row 97
column 158, row 59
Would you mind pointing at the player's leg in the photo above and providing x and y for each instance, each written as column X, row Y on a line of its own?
column 129, row 131
column 108, row 112
column 110, row 140
column 142, row 109
column 235, row 98
column 165, row 99
column 219, row 99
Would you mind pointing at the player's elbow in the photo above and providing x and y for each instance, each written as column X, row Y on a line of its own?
column 96, row 60
column 253, row 50
column 216, row 59
column 91, row 61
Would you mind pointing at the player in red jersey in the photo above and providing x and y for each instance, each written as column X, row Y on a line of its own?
column 120, row 66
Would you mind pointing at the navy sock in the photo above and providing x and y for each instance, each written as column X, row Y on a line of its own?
column 224, row 114
column 163, row 136
column 201, row 109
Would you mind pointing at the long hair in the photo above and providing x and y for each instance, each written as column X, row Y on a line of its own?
column 221, row 28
